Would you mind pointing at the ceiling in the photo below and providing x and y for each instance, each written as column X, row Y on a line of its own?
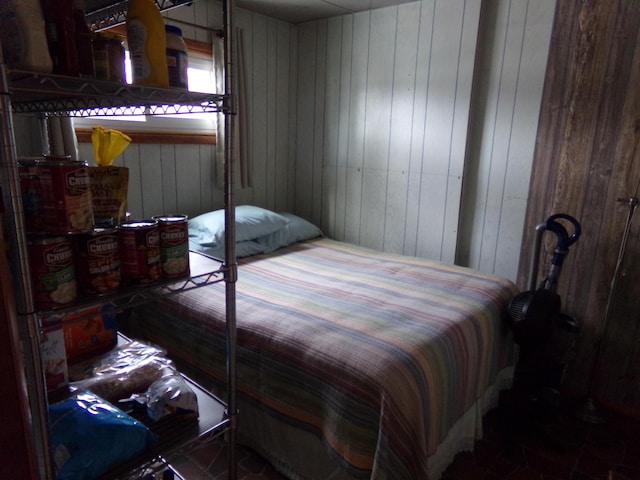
column 299, row 11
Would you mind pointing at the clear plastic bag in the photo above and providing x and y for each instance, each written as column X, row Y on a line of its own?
column 122, row 372
column 170, row 395
column 119, row 381
column 115, row 360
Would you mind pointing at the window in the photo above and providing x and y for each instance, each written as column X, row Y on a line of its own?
column 200, row 78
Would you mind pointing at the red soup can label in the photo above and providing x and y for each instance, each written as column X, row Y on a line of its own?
column 174, row 245
column 139, row 246
column 98, row 261
column 52, row 266
column 66, row 195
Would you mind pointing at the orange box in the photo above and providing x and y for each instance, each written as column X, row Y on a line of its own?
column 95, row 334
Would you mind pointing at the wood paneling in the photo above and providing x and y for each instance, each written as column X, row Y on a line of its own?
column 587, row 164
column 402, row 107
column 409, row 129
column 270, row 150
column 382, row 113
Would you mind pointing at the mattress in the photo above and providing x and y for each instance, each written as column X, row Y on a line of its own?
column 370, row 364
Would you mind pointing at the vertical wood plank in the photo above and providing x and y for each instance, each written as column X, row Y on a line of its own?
column 357, row 122
column 346, row 52
column 380, row 75
column 282, row 124
column 402, row 113
column 331, row 126
column 131, row 159
column 292, row 120
column 189, row 194
column 168, row 167
column 257, row 74
column 306, row 119
column 270, row 173
column 423, row 66
column 151, row 181
column 318, row 121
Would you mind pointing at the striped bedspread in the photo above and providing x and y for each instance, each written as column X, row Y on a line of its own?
column 377, row 354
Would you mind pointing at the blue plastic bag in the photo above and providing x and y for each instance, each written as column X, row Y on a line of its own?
column 89, row 435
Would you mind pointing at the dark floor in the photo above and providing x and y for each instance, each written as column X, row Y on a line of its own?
column 561, row 447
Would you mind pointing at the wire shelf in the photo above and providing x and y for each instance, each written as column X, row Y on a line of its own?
column 102, row 14
column 59, row 95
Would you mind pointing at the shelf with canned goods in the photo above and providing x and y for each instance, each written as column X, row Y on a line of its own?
column 33, row 92
column 203, row 270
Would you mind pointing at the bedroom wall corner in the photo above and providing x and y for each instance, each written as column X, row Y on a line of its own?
column 513, row 46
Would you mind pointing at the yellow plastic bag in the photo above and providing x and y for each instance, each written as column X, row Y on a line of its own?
column 108, row 144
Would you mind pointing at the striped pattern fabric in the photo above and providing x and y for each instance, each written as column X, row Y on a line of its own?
column 378, row 354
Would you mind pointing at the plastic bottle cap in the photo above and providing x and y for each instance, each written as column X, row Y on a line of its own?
column 173, row 29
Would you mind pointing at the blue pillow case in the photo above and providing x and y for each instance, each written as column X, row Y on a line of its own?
column 251, row 222
column 296, row 230
column 257, row 231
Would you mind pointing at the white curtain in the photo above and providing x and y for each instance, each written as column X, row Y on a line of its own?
column 243, row 166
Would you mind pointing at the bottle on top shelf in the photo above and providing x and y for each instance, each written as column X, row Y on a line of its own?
column 177, row 57
column 23, row 36
column 147, row 44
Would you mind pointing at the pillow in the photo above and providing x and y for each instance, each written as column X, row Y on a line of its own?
column 251, row 222
column 243, row 249
column 297, row 230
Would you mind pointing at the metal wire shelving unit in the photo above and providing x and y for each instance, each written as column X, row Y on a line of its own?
column 55, row 95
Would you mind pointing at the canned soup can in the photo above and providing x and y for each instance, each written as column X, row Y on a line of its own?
column 66, row 195
column 174, row 245
column 98, row 261
column 52, row 263
column 139, row 246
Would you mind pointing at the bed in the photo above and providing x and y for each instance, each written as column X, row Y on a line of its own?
column 352, row 363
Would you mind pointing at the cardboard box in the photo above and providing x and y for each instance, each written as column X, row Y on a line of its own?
column 96, row 334
column 54, row 359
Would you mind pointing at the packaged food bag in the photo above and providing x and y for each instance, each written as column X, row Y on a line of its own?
column 125, row 380
column 89, row 436
column 109, row 184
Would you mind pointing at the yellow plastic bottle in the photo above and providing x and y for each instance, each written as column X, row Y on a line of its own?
column 147, row 44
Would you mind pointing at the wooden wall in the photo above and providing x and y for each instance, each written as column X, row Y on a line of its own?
column 587, row 164
column 416, row 126
column 409, row 129
column 382, row 114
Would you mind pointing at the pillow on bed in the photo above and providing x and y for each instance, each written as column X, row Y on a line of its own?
column 297, row 230
column 251, row 222
column 243, row 249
